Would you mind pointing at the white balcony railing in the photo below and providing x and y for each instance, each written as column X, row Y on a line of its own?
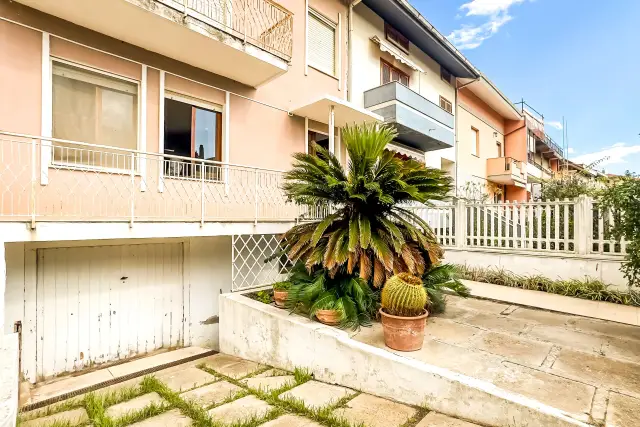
column 260, row 22
column 48, row 179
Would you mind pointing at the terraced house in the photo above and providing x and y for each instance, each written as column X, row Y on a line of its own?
column 142, row 144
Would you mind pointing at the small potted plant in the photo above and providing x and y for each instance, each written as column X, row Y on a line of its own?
column 281, row 293
column 403, row 312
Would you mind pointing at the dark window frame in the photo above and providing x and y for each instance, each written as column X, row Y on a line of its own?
column 450, row 110
column 401, row 73
column 396, row 37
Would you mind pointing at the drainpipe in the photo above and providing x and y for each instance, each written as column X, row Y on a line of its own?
column 349, row 48
column 455, row 127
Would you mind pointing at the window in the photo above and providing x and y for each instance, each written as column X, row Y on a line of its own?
column 445, row 75
column 389, row 73
column 93, row 108
column 320, row 139
column 322, row 43
column 191, row 131
column 395, row 37
column 446, row 105
column 499, row 147
column 475, row 142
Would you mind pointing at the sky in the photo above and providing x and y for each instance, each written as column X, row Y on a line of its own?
column 577, row 59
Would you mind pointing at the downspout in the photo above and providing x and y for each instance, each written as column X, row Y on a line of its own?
column 455, row 121
column 349, row 48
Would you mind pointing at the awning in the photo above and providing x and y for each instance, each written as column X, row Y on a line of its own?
column 393, row 51
column 407, row 152
column 344, row 112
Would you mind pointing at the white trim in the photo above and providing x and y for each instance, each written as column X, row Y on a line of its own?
column 393, row 51
column 96, row 70
column 306, row 37
column 161, row 131
column 47, row 110
column 306, row 135
column 321, row 132
column 192, row 100
column 332, row 130
column 339, row 51
column 142, row 127
column 226, row 115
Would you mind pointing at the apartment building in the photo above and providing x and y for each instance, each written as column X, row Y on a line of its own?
column 142, row 145
column 491, row 146
column 405, row 71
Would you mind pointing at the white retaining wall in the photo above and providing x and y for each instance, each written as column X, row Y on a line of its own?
column 551, row 265
column 262, row 333
column 8, row 379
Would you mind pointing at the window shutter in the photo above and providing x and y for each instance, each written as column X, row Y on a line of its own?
column 322, row 44
column 386, row 74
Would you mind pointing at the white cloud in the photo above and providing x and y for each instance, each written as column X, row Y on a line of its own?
column 556, row 125
column 571, row 150
column 488, row 7
column 617, row 153
column 472, row 36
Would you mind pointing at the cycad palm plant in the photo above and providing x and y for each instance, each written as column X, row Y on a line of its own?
column 370, row 232
column 440, row 279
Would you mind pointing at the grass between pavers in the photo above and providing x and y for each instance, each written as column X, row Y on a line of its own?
column 96, row 404
column 322, row 415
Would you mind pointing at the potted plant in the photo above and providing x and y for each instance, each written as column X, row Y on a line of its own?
column 281, row 293
column 403, row 312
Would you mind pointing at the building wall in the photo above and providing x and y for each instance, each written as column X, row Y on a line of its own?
column 366, row 72
column 473, row 113
column 268, row 142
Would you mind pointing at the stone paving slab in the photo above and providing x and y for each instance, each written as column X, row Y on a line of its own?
column 497, row 323
column 448, row 331
column 269, row 383
column 173, row 418
column 529, row 352
column 316, row 394
column 231, row 366
column 68, row 385
column 476, row 304
column 291, row 421
column 155, row 361
column 615, row 374
column 212, row 394
column 133, row 405
column 433, row 419
column 569, row 338
column 186, row 379
column 73, row 418
column 565, row 394
column 604, row 327
column 623, row 411
column 240, row 410
column 375, row 412
column 543, row 317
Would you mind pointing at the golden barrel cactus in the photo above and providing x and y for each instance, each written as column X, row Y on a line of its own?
column 403, row 295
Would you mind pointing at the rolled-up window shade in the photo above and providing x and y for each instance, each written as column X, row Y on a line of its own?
column 322, row 44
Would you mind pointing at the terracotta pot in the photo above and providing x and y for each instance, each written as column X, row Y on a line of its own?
column 328, row 317
column 403, row 333
column 280, row 297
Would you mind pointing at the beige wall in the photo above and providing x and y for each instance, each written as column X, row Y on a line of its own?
column 367, row 56
column 259, row 135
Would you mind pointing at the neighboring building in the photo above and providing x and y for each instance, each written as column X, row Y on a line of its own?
column 491, row 151
column 406, row 71
column 140, row 150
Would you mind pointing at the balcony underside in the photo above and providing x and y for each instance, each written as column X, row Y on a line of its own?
column 156, row 27
column 416, row 130
column 507, row 179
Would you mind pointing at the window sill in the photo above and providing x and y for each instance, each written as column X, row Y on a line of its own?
column 324, row 72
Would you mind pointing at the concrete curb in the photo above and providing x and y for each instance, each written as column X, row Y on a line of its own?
column 581, row 307
column 262, row 333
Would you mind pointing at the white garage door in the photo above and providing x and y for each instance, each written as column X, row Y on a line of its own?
column 103, row 303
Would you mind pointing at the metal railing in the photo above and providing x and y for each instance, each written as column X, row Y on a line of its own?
column 49, row 179
column 262, row 23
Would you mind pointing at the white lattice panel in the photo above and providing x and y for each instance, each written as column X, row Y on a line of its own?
column 248, row 267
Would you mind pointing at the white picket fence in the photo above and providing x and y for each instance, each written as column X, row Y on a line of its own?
column 561, row 226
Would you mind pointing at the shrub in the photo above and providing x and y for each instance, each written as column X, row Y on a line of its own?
column 589, row 288
column 281, row 286
column 440, row 280
column 403, row 295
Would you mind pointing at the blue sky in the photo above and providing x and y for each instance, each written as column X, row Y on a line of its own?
column 574, row 58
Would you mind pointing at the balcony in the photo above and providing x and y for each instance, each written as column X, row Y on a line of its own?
column 249, row 41
column 507, row 171
column 48, row 179
column 420, row 123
